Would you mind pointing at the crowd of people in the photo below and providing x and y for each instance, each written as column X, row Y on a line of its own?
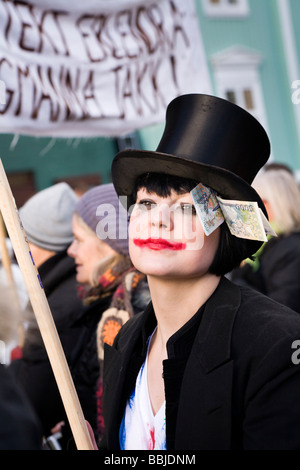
column 176, row 338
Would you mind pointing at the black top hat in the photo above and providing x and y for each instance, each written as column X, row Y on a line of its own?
column 207, row 139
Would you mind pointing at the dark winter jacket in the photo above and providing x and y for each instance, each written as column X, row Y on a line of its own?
column 239, row 388
column 19, row 426
column 276, row 271
column 34, row 371
column 84, row 363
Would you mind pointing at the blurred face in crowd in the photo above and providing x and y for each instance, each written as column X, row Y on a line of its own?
column 87, row 250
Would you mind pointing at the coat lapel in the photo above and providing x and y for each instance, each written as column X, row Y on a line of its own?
column 121, row 365
column 112, row 375
column 205, row 399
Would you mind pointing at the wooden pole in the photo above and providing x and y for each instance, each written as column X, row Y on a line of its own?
column 43, row 315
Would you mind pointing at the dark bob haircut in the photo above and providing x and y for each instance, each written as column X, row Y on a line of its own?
column 231, row 250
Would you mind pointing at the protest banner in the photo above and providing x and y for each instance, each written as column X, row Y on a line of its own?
column 96, row 68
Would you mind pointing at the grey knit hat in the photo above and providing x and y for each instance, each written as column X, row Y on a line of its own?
column 101, row 210
column 47, row 217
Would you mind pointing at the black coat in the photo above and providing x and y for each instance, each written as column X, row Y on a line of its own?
column 33, row 371
column 240, row 388
column 84, row 361
column 276, row 272
column 19, row 426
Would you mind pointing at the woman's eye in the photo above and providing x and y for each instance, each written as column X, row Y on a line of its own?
column 187, row 208
column 146, row 204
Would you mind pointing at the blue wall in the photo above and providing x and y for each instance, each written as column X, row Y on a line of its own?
column 261, row 32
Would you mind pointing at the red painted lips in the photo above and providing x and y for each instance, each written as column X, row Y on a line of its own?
column 158, row 244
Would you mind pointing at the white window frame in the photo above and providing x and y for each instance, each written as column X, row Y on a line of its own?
column 224, row 8
column 237, row 70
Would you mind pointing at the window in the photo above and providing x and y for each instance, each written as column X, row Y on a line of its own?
column 237, row 79
column 22, row 186
column 128, row 141
column 241, row 96
column 225, row 8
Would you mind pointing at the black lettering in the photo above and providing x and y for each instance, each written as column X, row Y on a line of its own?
column 143, row 34
column 45, row 96
column 60, row 45
column 89, row 94
column 157, row 20
column 178, row 26
column 67, row 92
column 141, row 74
column 159, row 96
column 9, row 92
column 91, row 28
column 20, row 73
column 8, row 23
column 29, row 36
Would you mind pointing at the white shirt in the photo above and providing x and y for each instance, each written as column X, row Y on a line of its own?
column 140, row 428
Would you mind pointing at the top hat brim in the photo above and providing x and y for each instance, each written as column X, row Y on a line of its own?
column 129, row 164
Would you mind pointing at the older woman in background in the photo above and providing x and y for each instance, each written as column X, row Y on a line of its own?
column 112, row 291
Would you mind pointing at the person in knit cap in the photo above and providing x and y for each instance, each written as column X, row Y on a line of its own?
column 47, row 221
column 111, row 290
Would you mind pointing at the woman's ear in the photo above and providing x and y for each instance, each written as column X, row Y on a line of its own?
column 269, row 209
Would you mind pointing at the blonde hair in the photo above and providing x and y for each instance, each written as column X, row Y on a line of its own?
column 105, row 263
column 280, row 188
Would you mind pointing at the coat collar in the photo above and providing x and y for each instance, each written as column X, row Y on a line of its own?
column 212, row 344
column 206, row 392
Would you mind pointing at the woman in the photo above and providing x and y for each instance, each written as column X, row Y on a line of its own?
column 208, row 364
column 110, row 288
column 275, row 270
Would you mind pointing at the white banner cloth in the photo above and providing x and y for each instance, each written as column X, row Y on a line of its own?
column 95, row 67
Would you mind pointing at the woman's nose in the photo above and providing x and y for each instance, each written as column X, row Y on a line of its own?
column 71, row 250
column 162, row 217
